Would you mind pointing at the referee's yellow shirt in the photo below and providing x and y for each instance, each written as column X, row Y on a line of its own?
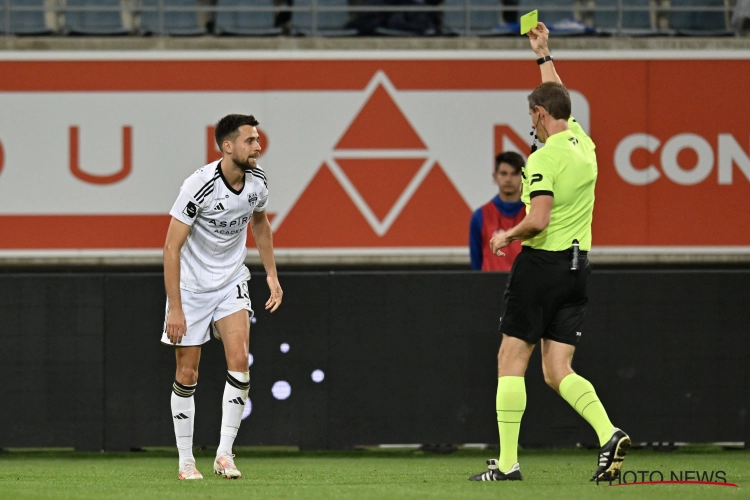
column 564, row 168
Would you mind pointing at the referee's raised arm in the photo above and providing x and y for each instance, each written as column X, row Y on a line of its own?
column 538, row 37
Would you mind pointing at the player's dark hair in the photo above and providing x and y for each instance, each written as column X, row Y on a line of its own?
column 553, row 97
column 513, row 159
column 228, row 127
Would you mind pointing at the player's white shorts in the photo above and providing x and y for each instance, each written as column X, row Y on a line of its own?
column 202, row 309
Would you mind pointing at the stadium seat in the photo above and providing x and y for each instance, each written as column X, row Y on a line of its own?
column 175, row 22
column 107, row 21
column 24, row 22
column 454, row 21
column 548, row 17
column 741, row 18
column 334, row 23
column 633, row 22
column 700, row 22
column 302, row 19
column 482, row 22
column 330, row 23
column 259, row 23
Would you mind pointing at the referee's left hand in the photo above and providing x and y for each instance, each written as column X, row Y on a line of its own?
column 500, row 240
column 274, row 301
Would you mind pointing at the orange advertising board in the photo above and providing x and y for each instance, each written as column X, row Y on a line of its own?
column 365, row 150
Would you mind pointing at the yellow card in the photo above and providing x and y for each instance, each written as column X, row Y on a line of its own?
column 529, row 21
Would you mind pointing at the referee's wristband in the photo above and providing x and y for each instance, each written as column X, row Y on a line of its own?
column 543, row 60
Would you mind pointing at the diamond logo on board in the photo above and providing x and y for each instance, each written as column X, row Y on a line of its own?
column 379, row 187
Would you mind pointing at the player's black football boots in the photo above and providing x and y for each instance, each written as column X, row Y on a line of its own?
column 611, row 456
column 494, row 474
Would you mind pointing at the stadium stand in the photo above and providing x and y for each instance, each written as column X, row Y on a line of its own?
column 94, row 17
column 699, row 22
column 550, row 17
column 339, row 18
column 248, row 23
column 454, row 21
column 633, row 22
column 24, row 22
column 328, row 22
column 174, row 22
column 482, row 22
column 741, row 18
column 399, row 18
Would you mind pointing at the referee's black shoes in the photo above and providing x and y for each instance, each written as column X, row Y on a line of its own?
column 611, row 456
column 494, row 474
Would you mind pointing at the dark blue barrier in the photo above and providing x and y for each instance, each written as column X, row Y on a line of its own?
column 406, row 358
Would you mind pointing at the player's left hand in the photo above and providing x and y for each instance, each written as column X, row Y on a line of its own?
column 274, row 301
column 500, row 240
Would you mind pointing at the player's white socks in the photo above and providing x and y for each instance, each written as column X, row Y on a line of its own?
column 235, row 396
column 183, row 416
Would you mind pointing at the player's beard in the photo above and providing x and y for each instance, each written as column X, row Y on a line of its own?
column 245, row 164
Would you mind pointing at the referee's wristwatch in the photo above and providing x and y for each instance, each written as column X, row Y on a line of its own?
column 543, row 60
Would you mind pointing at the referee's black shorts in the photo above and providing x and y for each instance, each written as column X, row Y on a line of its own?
column 544, row 298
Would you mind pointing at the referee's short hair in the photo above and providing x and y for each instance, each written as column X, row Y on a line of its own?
column 553, row 97
column 228, row 127
column 511, row 158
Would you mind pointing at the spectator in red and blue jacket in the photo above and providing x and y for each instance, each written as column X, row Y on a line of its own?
column 501, row 213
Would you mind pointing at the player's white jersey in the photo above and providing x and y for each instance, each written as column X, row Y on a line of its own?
column 215, row 250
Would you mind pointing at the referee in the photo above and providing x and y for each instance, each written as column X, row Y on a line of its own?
column 545, row 299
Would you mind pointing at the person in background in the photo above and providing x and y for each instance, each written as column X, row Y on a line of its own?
column 501, row 213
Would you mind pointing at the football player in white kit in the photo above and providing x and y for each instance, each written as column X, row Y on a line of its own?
column 207, row 281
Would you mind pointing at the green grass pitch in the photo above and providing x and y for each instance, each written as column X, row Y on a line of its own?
column 354, row 475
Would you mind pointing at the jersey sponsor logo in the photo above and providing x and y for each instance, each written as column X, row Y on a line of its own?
column 220, row 207
column 536, row 178
column 573, row 140
column 191, row 210
column 252, row 198
column 222, row 223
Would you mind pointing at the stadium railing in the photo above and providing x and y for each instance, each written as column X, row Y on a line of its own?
column 366, row 17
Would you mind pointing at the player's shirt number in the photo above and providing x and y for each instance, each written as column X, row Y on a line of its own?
column 242, row 290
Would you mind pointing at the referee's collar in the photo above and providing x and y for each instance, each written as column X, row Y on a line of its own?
column 563, row 135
